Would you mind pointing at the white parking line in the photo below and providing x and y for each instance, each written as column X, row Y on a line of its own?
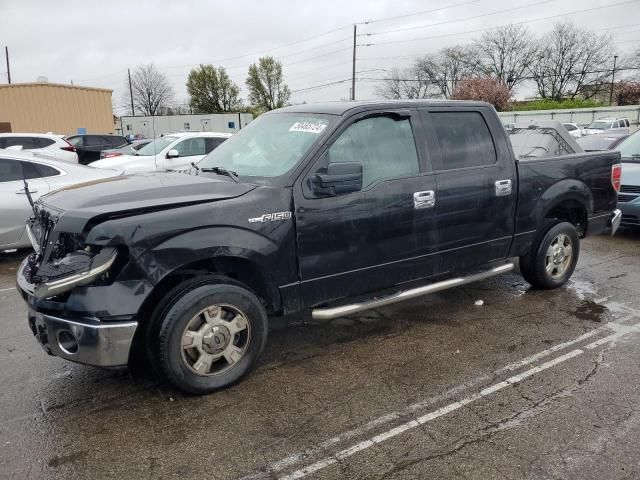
column 7, row 289
column 299, row 457
column 358, row 447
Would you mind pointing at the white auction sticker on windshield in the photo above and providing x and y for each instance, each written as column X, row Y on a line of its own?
column 308, row 127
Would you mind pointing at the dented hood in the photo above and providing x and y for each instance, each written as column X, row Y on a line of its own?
column 136, row 194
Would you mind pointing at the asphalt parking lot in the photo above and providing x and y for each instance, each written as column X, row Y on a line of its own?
column 531, row 384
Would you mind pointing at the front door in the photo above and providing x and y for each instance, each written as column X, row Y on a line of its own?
column 476, row 185
column 358, row 242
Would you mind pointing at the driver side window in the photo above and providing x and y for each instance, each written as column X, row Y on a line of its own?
column 384, row 145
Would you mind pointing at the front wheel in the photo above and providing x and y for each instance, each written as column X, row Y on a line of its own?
column 210, row 336
column 553, row 257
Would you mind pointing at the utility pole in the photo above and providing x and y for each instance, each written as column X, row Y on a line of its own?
column 613, row 78
column 6, row 54
column 353, row 72
column 133, row 112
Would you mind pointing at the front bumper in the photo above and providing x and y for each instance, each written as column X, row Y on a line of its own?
column 83, row 339
column 89, row 341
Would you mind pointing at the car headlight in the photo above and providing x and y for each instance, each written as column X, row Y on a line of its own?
column 74, row 270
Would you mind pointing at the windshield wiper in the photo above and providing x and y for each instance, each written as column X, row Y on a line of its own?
column 222, row 171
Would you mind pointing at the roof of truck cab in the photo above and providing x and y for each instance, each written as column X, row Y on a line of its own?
column 341, row 108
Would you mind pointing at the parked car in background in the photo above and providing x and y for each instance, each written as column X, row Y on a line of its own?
column 629, row 196
column 174, row 151
column 54, row 146
column 130, row 149
column 574, row 130
column 333, row 209
column 545, row 138
column 43, row 174
column 611, row 124
column 603, row 141
column 89, row 146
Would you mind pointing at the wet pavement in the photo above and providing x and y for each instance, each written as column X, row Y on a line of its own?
column 532, row 384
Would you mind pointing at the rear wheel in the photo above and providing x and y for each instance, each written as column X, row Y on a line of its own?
column 553, row 257
column 209, row 335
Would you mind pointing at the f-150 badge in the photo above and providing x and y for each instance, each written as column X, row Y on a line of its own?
column 271, row 217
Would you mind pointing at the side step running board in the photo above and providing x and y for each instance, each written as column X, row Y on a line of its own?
column 335, row 312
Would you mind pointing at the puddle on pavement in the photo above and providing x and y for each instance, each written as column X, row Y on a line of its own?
column 591, row 311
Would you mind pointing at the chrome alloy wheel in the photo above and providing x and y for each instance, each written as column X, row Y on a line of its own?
column 559, row 256
column 215, row 339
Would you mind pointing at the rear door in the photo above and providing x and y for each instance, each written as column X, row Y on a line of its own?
column 15, row 204
column 476, row 186
column 378, row 237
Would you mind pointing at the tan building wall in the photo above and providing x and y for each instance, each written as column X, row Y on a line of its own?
column 51, row 107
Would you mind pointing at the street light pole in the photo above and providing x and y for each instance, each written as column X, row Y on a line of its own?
column 613, row 78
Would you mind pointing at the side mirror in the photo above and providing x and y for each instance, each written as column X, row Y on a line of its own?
column 173, row 153
column 339, row 178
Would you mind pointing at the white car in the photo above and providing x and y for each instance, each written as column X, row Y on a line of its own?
column 173, row 151
column 54, row 146
column 42, row 175
column 610, row 125
column 574, row 130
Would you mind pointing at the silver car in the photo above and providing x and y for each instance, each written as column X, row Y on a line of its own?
column 42, row 175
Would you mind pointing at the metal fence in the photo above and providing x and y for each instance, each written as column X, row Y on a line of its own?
column 581, row 116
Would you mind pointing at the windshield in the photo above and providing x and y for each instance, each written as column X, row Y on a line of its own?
column 269, row 146
column 156, row 146
column 630, row 148
column 600, row 125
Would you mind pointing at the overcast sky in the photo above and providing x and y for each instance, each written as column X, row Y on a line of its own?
column 93, row 43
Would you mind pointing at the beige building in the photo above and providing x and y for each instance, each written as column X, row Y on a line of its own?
column 52, row 107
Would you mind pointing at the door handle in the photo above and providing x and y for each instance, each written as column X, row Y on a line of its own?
column 426, row 199
column 23, row 192
column 503, row 188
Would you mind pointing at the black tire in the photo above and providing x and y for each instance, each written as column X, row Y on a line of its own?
column 533, row 266
column 166, row 331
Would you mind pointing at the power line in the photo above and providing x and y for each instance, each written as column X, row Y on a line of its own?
column 473, row 17
column 387, row 19
column 321, row 85
column 507, row 24
column 530, row 77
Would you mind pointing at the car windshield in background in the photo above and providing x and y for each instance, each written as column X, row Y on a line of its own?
column 269, row 146
column 156, row 146
column 599, row 125
column 630, row 148
column 592, row 143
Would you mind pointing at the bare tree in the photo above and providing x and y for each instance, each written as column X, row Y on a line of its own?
column 446, row 68
column 408, row 83
column 152, row 93
column 507, row 53
column 572, row 61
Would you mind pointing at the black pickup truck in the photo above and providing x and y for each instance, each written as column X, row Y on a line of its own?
column 322, row 210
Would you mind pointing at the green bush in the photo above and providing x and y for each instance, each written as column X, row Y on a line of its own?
column 544, row 104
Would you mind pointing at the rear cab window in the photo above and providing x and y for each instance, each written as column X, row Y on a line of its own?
column 464, row 138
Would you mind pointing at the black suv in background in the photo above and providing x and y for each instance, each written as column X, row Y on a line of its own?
column 90, row 146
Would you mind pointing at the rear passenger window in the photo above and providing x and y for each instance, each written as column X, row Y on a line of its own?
column 37, row 170
column 465, row 140
column 27, row 143
column 43, row 142
column 210, row 143
column 10, row 170
column 384, row 145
